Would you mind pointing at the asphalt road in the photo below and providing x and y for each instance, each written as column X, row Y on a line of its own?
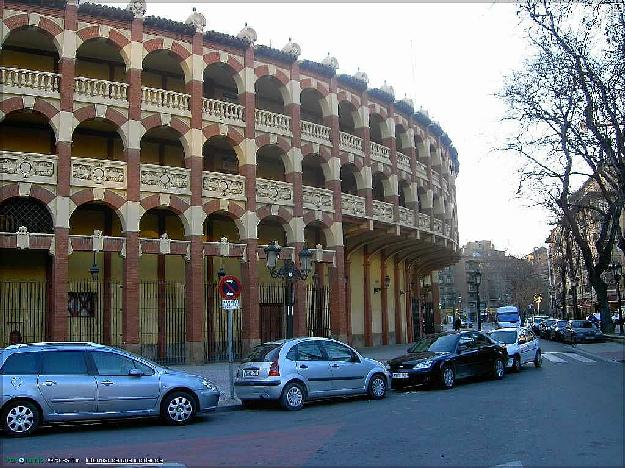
column 567, row 413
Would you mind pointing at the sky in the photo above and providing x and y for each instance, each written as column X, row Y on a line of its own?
column 450, row 58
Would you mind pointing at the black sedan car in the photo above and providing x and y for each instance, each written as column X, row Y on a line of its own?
column 442, row 359
column 579, row 331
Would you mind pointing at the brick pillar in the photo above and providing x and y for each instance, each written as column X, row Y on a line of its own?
column 409, row 298
column 363, row 133
column 367, row 291
column 384, row 298
column 399, row 338
column 436, row 298
column 348, row 301
column 391, row 143
column 59, row 312
column 247, row 168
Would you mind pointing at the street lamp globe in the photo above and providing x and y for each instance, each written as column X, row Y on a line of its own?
column 305, row 258
column 272, row 251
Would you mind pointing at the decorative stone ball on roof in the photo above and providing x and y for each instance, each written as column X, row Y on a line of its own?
column 408, row 101
column 362, row 76
column 137, row 7
column 292, row 48
column 388, row 89
column 330, row 61
column 248, row 34
column 197, row 20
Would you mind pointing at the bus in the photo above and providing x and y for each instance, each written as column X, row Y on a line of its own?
column 508, row 316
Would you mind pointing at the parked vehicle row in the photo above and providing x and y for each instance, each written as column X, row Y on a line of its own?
column 569, row 331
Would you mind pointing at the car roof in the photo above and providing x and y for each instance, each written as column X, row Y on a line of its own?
column 55, row 345
column 506, row 329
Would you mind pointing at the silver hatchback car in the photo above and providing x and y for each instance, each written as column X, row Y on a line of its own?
column 295, row 370
column 48, row 382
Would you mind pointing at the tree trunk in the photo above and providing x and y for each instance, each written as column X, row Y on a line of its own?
column 601, row 289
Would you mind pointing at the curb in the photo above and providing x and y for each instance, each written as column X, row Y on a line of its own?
column 590, row 355
column 229, row 408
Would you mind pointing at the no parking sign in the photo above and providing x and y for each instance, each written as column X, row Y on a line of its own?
column 229, row 290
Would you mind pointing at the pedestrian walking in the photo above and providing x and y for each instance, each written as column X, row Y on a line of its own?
column 457, row 323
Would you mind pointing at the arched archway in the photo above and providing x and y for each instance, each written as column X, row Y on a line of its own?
column 312, row 171
column 28, row 212
column 271, row 229
column 30, row 48
column 348, row 179
column 270, row 94
column 312, row 103
column 220, row 156
column 404, row 194
column 98, row 139
column 401, row 138
column 27, row 132
column 162, row 146
column 100, row 59
column 378, row 191
column 162, row 70
column 219, row 83
column 270, row 163
column 347, row 117
column 375, row 128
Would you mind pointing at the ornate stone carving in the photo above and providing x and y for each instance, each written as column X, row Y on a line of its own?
column 406, row 216
column 97, row 241
column 317, row 199
column 383, row 211
column 198, row 20
column 98, row 173
column 424, row 221
column 331, row 62
column 353, row 205
column 274, row 192
column 27, row 167
column 164, row 179
column 292, row 48
column 137, row 7
column 248, row 34
column 164, row 244
column 217, row 185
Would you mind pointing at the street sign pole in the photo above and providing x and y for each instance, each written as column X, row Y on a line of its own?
column 230, row 355
column 230, row 289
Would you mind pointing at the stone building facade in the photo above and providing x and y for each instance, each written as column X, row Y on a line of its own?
column 140, row 155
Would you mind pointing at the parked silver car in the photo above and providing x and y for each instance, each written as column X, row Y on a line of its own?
column 299, row 369
column 48, row 382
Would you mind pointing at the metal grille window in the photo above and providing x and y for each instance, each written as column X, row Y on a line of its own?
column 27, row 212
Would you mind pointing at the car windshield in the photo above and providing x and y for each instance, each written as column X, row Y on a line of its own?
column 581, row 324
column 435, row 344
column 562, row 323
column 264, row 353
column 508, row 317
column 504, row 336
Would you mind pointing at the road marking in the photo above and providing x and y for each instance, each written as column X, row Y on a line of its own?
column 578, row 357
column 512, row 463
column 549, row 356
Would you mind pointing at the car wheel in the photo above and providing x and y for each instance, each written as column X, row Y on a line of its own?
column 178, row 409
column 516, row 364
column 377, row 387
column 448, row 377
column 538, row 359
column 499, row 369
column 20, row 418
column 292, row 397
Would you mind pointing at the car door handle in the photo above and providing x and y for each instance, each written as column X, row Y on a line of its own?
column 303, row 366
column 49, row 383
column 106, row 382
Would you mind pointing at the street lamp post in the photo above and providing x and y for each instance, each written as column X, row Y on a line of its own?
column 574, row 283
column 289, row 273
column 478, row 280
column 617, row 273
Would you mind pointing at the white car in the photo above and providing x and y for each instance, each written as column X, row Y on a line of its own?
column 522, row 345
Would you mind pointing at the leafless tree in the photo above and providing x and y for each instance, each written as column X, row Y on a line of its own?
column 568, row 105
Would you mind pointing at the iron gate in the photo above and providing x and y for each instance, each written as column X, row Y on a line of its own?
column 95, row 312
column 162, row 321
column 271, row 310
column 23, row 306
column 216, row 326
column 318, row 310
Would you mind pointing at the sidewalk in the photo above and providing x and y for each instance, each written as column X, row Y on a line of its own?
column 608, row 351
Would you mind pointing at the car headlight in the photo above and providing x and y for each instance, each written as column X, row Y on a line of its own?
column 423, row 365
column 210, row 385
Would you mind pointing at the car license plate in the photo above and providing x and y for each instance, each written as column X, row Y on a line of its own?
column 400, row 375
column 250, row 372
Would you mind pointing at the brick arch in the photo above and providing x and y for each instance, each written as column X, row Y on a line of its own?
column 233, row 135
column 156, row 120
column 233, row 211
column 233, row 63
column 50, row 28
column 404, row 176
column 40, row 194
column 265, row 140
column 307, row 83
column 284, row 215
column 375, row 108
column 98, row 32
column 344, row 159
column 176, row 205
column 111, row 199
column 175, row 48
column 324, row 152
column 112, row 115
column 264, row 70
column 343, row 95
column 16, row 104
column 325, row 223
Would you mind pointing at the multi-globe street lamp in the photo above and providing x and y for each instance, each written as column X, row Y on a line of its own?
column 617, row 273
column 289, row 273
column 478, row 280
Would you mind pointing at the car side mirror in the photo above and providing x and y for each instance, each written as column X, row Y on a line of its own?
column 355, row 358
column 135, row 373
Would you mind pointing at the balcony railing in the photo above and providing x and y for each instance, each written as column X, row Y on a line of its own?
column 88, row 172
column 273, row 122
column 222, row 111
column 424, row 221
column 383, row 211
column 315, row 132
column 101, row 88
column 166, row 99
column 406, row 217
column 28, row 167
column 380, row 153
column 274, row 192
column 166, row 179
column 422, row 170
column 437, row 226
column 436, row 179
column 227, row 186
column 403, row 162
column 31, row 79
column 447, row 230
column 353, row 205
column 318, row 199
column 350, row 143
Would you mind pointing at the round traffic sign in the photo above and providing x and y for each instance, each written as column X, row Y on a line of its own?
column 229, row 287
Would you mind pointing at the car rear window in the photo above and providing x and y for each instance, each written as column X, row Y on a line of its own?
column 21, row 364
column 267, row 352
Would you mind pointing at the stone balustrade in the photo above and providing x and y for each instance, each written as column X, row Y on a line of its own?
column 274, row 192
column 403, row 162
column 165, row 179
column 406, row 217
column 315, row 132
column 163, row 98
column 227, row 186
column 100, row 88
column 221, row 111
column 436, row 179
column 445, row 186
column 28, row 167
column 318, row 199
column 90, row 172
column 273, row 122
column 353, row 205
column 383, row 211
column 437, row 226
column 447, row 230
column 380, row 153
column 422, row 170
column 424, row 221
column 31, row 79
column 350, row 143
